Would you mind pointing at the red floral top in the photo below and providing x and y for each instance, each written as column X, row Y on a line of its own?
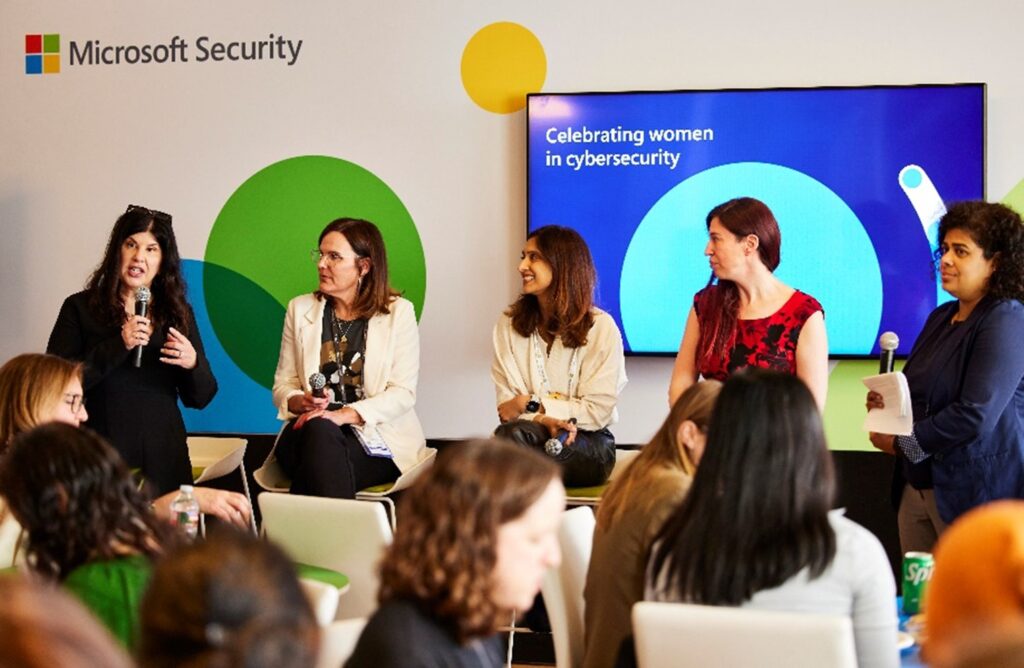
column 766, row 343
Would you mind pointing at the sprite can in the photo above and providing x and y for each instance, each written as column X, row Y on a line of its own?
column 917, row 571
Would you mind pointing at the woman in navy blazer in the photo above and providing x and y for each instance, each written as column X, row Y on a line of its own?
column 966, row 378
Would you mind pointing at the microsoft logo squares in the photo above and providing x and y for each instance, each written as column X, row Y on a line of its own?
column 42, row 54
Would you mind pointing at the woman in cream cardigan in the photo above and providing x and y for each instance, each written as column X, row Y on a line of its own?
column 346, row 376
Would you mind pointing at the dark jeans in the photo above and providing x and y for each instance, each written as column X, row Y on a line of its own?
column 587, row 462
column 323, row 459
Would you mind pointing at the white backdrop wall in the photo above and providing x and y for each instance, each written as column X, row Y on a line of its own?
column 380, row 86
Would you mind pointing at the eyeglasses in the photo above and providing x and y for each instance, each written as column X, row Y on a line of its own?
column 75, row 401
column 332, row 258
column 149, row 213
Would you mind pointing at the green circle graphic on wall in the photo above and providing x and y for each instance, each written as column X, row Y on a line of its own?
column 263, row 237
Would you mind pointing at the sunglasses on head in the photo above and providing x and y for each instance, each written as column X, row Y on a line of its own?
column 150, row 213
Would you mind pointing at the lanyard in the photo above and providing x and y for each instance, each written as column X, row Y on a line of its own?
column 538, row 359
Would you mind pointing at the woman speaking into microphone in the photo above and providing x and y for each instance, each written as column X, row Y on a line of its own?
column 136, row 333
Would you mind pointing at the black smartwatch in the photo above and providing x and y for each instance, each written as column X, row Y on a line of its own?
column 533, row 405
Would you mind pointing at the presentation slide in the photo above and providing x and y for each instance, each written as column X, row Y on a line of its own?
column 857, row 179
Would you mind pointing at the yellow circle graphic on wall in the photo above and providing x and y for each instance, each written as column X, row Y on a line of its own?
column 501, row 63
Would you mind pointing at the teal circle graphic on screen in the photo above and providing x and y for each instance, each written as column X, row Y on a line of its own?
column 826, row 253
column 257, row 256
column 241, row 405
column 912, row 178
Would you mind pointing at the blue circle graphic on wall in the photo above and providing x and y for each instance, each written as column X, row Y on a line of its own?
column 665, row 263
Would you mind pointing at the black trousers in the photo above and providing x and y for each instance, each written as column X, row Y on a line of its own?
column 323, row 459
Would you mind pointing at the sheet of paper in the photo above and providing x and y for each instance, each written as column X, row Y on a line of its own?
column 897, row 417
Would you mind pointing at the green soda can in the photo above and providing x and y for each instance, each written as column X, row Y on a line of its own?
column 917, row 571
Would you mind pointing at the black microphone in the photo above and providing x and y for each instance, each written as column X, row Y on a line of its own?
column 888, row 342
column 317, row 383
column 141, row 308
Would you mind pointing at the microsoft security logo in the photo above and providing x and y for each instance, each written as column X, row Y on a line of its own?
column 42, row 54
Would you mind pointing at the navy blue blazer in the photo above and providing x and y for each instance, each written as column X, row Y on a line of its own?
column 968, row 400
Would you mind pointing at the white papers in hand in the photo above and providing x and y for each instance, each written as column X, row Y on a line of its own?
column 897, row 417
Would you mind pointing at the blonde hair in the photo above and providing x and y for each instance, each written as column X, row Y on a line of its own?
column 30, row 387
column 665, row 451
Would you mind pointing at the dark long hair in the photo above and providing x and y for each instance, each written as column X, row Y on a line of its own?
column 573, row 279
column 757, row 512
column 445, row 550
column 719, row 308
column 231, row 600
column 374, row 294
column 999, row 231
column 170, row 303
column 76, row 499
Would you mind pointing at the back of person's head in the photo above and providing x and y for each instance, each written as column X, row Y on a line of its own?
column 665, row 451
column 978, row 581
column 30, row 385
column 445, row 549
column 231, row 601
column 42, row 627
column 757, row 512
column 76, row 499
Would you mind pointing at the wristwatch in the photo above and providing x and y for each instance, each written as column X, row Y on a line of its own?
column 533, row 405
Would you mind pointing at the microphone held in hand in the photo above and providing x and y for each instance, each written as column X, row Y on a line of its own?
column 142, row 296
column 317, row 383
column 888, row 342
column 553, row 446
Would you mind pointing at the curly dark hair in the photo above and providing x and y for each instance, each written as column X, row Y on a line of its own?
column 170, row 302
column 445, row 550
column 999, row 231
column 231, row 600
column 573, row 281
column 77, row 500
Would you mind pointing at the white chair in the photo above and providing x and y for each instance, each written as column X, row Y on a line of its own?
column 270, row 476
column 684, row 636
column 562, row 587
column 591, row 496
column 381, row 493
column 214, row 457
column 340, row 534
column 338, row 641
column 323, row 598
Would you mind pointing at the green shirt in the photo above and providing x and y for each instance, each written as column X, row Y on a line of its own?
column 112, row 590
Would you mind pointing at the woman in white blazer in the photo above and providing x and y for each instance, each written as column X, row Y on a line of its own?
column 346, row 376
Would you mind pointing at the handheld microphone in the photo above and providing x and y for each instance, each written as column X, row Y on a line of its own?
column 888, row 342
column 142, row 296
column 553, row 446
column 317, row 383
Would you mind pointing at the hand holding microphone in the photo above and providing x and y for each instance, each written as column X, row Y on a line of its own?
column 137, row 329
column 888, row 342
column 553, row 446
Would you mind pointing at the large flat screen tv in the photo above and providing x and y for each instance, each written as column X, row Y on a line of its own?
column 857, row 178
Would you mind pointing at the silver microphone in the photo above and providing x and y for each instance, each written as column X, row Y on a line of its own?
column 888, row 342
column 553, row 447
column 142, row 297
column 317, row 383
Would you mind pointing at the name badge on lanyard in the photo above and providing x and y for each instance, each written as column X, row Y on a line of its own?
column 538, row 360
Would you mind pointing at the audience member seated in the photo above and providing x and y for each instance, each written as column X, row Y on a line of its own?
column 42, row 627
column 755, row 528
column 558, row 365
column 978, row 582
column 36, row 389
column 232, row 601
column 356, row 338
column 632, row 511
column 88, row 525
column 478, row 531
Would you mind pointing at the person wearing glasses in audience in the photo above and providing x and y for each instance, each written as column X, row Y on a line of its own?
column 346, row 376
column 747, row 317
column 756, row 529
column 135, row 406
column 36, row 389
column 558, row 365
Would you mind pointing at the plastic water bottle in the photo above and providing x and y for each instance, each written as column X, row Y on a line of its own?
column 185, row 512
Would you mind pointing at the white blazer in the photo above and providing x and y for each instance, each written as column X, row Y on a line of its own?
column 390, row 371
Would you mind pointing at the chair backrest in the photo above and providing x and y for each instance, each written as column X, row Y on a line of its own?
column 338, row 641
column 323, row 598
column 683, row 635
column 409, row 477
column 562, row 587
column 216, row 456
column 341, row 534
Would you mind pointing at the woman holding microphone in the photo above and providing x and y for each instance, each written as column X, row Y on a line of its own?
column 137, row 367
column 966, row 379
